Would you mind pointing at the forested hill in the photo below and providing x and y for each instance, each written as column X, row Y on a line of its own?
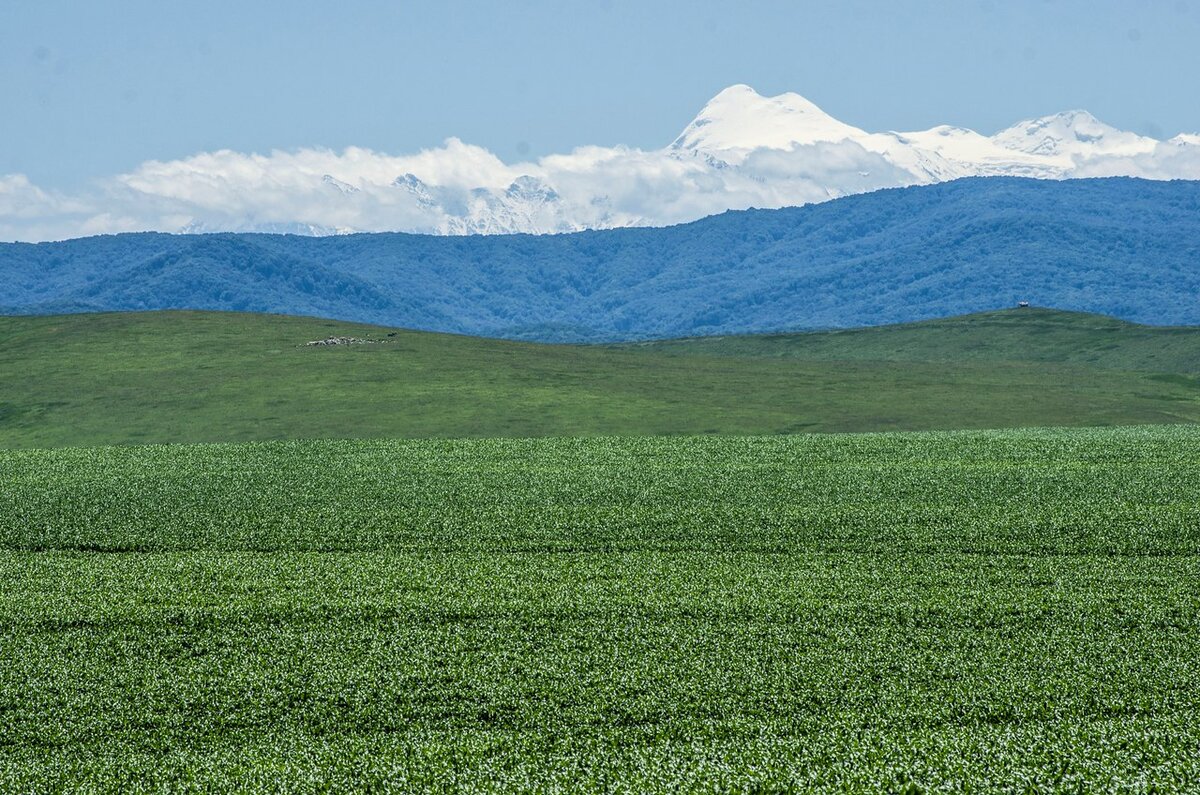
column 1123, row 247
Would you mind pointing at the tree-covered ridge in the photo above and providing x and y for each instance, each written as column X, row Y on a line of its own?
column 1123, row 247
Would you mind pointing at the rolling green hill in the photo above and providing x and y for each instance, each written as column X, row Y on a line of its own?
column 1026, row 335
column 210, row 376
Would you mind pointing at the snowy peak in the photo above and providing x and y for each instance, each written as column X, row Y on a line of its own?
column 975, row 154
column 531, row 189
column 342, row 187
column 412, row 184
column 529, row 204
column 1075, row 133
column 741, row 119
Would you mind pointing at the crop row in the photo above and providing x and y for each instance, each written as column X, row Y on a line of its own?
column 988, row 612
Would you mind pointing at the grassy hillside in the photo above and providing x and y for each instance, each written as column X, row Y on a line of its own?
column 892, row 613
column 205, row 377
column 1033, row 334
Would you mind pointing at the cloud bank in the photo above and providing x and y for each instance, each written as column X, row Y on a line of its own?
column 743, row 150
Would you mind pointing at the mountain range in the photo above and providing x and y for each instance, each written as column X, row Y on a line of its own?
column 739, row 122
column 793, row 148
column 741, row 151
column 1119, row 246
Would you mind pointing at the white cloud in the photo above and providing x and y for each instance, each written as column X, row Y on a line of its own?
column 1178, row 158
column 461, row 188
column 29, row 213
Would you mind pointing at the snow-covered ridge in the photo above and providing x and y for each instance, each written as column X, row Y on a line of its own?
column 739, row 120
column 741, row 150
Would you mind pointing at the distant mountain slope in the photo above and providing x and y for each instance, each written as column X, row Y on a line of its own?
column 118, row 378
column 1123, row 247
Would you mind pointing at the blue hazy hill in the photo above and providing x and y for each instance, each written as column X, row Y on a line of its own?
column 1123, row 247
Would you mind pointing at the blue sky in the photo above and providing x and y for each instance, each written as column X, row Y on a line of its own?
column 89, row 89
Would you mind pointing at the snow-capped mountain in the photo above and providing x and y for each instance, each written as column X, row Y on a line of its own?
column 338, row 185
column 738, row 120
column 744, row 149
column 412, row 185
column 1073, row 135
column 526, row 205
column 970, row 153
column 741, row 150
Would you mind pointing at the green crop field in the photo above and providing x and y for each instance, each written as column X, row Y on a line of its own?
column 219, row 377
column 975, row 611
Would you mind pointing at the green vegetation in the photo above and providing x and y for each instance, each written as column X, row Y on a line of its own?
column 213, row 377
column 975, row 611
column 982, row 610
column 1123, row 247
column 1026, row 335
